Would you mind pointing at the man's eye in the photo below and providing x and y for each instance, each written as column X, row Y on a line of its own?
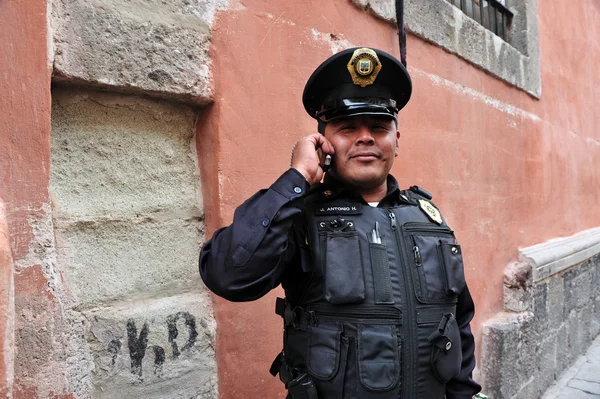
column 347, row 127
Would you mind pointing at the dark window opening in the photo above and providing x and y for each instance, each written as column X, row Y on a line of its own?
column 492, row 14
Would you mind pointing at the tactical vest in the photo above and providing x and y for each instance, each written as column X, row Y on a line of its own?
column 377, row 320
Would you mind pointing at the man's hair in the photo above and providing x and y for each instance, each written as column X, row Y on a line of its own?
column 321, row 127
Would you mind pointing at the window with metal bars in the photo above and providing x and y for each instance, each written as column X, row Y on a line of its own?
column 492, row 14
column 485, row 33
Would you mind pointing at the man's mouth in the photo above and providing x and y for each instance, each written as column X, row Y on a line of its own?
column 365, row 155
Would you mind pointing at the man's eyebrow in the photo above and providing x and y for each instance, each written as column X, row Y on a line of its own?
column 342, row 121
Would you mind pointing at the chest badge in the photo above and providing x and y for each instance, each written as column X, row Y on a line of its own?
column 431, row 211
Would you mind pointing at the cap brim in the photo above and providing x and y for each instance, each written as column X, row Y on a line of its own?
column 356, row 110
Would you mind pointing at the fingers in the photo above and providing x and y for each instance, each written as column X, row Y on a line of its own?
column 306, row 157
column 323, row 143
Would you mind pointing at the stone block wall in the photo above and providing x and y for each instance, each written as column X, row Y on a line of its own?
column 150, row 47
column 549, row 321
column 109, row 301
column 128, row 222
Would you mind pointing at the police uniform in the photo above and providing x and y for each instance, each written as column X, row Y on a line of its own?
column 376, row 302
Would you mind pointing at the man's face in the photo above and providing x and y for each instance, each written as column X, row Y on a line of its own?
column 365, row 148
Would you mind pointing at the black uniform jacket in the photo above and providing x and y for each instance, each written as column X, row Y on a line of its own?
column 270, row 242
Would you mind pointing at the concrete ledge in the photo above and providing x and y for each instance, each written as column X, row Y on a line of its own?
column 437, row 21
column 559, row 254
column 551, row 315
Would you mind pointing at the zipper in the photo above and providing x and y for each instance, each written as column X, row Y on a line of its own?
column 355, row 312
column 417, row 227
column 417, row 254
column 409, row 371
column 392, row 219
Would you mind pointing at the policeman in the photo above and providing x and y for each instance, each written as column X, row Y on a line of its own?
column 376, row 302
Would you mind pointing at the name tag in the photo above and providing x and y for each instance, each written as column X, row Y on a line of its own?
column 340, row 209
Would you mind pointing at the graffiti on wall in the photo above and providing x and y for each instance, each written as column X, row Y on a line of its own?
column 137, row 342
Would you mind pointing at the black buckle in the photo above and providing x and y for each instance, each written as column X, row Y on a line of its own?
column 439, row 337
column 276, row 365
column 280, row 306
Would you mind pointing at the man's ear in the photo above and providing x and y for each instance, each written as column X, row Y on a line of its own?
column 396, row 152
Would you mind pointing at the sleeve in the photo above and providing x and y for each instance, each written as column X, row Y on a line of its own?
column 463, row 386
column 245, row 260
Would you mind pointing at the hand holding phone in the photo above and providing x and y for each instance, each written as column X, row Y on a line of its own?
column 306, row 159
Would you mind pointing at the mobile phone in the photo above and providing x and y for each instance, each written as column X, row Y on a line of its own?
column 327, row 163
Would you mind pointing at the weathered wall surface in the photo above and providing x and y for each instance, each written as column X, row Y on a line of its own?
column 95, row 316
column 7, row 311
column 128, row 223
column 24, row 170
column 107, row 286
column 143, row 46
column 507, row 170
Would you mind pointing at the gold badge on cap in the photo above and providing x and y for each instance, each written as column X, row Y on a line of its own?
column 364, row 66
column 431, row 211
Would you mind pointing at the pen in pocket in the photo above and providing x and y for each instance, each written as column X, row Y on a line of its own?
column 375, row 236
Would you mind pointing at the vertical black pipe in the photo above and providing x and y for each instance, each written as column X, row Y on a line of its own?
column 401, row 30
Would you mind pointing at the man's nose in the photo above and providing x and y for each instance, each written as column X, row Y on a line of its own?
column 364, row 136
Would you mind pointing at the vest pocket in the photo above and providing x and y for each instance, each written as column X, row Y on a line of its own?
column 446, row 354
column 342, row 261
column 326, row 359
column 378, row 360
column 382, row 286
column 438, row 267
column 451, row 259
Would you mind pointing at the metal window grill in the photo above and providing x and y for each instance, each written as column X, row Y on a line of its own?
column 492, row 14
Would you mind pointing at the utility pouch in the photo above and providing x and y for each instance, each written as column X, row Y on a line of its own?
column 343, row 268
column 438, row 265
column 382, row 285
column 378, row 361
column 451, row 260
column 326, row 360
column 446, row 355
column 302, row 387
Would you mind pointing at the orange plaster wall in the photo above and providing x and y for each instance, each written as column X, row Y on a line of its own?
column 507, row 170
column 6, row 308
column 24, row 138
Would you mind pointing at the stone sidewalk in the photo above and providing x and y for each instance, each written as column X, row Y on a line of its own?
column 582, row 380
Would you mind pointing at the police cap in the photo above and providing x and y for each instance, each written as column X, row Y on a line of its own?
column 357, row 81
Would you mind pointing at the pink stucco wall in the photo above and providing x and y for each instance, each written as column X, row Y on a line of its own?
column 24, row 160
column 506, row 173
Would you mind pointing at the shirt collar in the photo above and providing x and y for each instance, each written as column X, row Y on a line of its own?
column 332, row 188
